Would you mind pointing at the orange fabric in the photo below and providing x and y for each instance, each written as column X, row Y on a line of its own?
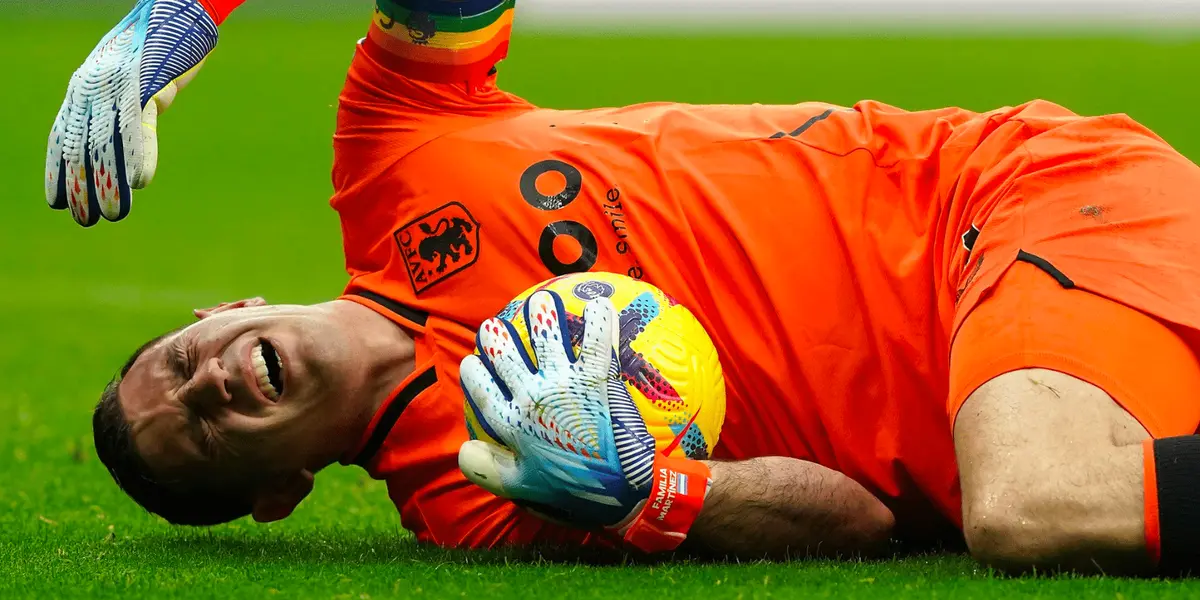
column 820, row 246
column 1109, row 205
column 1102, row 199
column 1029, row 321
column 1150, row 494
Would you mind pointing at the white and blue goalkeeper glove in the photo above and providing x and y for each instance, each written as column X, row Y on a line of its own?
column 104, row 142
column 576, row 447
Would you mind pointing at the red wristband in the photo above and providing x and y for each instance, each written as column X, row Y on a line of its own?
column 676, row 498
column 220, row 9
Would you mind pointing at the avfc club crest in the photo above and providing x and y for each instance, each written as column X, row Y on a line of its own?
column 438, row 245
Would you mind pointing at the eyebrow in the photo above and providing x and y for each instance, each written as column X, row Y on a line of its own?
column 175, row 361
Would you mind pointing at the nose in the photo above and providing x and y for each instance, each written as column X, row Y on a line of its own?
column 209, row 387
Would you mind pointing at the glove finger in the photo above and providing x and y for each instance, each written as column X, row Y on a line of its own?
column 56, row 181
column 59, row 199
column 635, row 446
column 93, row 195
column 166, row 96
column 600, row 347
column 499, row 471
column 147, row 158
column 503, row 358
column 76, row 184
column 545, row 318
column 111, row 194
column 483, row 393
column 80, row 195
column 490, row 405
column 489, row 467
column 75, row 130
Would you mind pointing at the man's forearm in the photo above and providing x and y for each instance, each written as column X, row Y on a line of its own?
column 784, row 507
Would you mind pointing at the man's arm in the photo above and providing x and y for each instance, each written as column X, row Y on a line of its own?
column 1051, row 473
column 568, row 468
column 779, row 507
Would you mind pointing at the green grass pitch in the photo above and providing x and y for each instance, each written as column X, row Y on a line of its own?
column 240, row 209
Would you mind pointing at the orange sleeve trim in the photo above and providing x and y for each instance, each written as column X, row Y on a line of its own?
column 1150, row 495
column 1019, row 361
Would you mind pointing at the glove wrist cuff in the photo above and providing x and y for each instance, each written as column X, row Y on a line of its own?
column 676, row 498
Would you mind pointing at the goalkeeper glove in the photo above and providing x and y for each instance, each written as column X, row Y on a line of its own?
column 577, row 449
column 104, row 142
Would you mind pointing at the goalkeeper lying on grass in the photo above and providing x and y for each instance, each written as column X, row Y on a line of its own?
column 934, row 325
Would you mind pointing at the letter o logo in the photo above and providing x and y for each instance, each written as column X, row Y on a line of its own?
column 540, row 201
column 587, row 245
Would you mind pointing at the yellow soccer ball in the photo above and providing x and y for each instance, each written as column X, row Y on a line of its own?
column 668, row 362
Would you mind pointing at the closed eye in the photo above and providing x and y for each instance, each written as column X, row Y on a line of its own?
column 180, row 360
column 207, row 438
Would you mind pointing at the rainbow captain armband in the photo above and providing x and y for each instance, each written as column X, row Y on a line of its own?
column 676, row 498
column 441, row 41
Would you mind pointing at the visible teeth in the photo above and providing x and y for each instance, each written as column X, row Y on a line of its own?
column 260, row 371
column 267, row 389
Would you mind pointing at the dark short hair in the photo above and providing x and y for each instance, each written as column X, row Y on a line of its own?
column 177, row 502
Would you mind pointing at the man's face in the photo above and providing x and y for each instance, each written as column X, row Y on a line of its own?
column 243, row 395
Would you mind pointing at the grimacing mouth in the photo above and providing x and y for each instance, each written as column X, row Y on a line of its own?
column 268, row 369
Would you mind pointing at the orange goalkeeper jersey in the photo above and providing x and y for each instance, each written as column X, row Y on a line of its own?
column 819, row 246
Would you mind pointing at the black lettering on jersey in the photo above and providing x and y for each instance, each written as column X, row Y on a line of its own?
column 615, row 211
column 438, row 244
column 612, row 207
column 587, row 244
column 541, row 201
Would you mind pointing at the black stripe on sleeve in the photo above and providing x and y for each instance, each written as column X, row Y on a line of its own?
column 392, row 414
column 1045, row 265
column 803, row 127
column 408, row 314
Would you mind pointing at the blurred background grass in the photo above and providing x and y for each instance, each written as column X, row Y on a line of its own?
column 239, row 209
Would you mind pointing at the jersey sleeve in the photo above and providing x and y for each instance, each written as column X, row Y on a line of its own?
column 441, row 41
column 437, row 503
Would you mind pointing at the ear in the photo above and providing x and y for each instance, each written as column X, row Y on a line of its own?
column 280, row 496
column 204, row 313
